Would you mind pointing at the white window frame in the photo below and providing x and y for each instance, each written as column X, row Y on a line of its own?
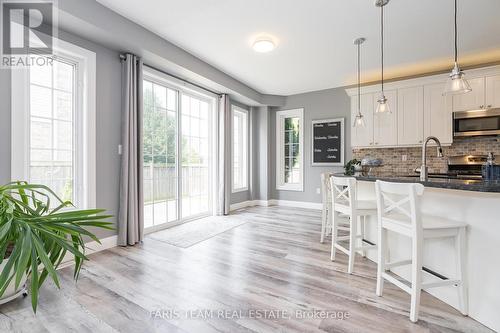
column 280, row 149
column 244, row 158
column 85, row 118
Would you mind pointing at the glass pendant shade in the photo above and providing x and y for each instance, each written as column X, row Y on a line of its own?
column 383, row 105
column 359, row 121
column 456, row 84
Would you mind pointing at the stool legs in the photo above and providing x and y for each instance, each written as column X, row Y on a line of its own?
column 324, row 218
column 335, row 223
column 460, row 246
column 382, row 251
column 352, row 243
column 362, row 223
column 416, row 277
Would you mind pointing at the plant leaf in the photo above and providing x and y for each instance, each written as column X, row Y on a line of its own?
column 48, row 265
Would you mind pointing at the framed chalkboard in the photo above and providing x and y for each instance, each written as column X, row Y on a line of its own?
column 328, row 142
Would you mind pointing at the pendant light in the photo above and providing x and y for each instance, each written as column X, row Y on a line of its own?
column 383, row 104
column 359, row 120
column 456, row 84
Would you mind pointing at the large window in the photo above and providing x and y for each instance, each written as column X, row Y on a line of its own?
column 240, row 149
column 177, row 136
column 53, row 118
column 289, row 140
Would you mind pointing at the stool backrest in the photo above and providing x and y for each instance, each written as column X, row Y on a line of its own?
column 343, row 191
column 400, row 201
column 325, row 187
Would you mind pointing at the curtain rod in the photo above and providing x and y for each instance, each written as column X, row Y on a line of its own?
column 123, row 57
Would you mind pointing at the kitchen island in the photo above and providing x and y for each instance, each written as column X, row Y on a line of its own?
column 476, row 203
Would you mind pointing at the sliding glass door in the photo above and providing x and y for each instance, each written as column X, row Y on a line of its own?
column 196, row 143
column 177, row 142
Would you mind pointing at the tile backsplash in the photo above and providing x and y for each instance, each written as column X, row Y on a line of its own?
column 393, row 157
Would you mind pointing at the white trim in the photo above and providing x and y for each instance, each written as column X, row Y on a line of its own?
column 90, row 248
column 85, row 94
column 296, row 204
column 342, row 140
column 247, row 152
column 280, row 149
column 274, row 202
column 425, row 80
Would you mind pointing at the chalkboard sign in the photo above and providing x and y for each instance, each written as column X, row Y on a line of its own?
column 328, row 142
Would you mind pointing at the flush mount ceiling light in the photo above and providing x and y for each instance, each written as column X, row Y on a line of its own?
column 263, row 45
column 359, row 120
column 383, row 104
column 456, row 84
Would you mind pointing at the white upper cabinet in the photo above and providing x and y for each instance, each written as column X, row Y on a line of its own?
column 437, row 113
column 362, row 136
column 410, row 115
column 419, row 108
column 473, row 100
column 493, row 91
column 385, row 129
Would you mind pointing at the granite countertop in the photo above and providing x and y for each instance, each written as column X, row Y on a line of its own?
column 445, row 183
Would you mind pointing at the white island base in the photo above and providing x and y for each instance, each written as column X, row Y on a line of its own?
column 481, row 211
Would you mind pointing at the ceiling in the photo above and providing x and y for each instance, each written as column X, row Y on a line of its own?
column 314, row 37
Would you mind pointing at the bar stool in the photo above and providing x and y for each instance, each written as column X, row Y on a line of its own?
column 398, row 208
column 344, row 201
column 326, row 211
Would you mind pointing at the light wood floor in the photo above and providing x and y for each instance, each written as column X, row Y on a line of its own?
column 273, row 262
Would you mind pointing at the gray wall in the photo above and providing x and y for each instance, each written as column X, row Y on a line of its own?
column 324, row 104
column 108, row 113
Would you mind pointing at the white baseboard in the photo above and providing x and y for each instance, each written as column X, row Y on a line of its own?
column 273, row 202
column 296, row 204
column 92, row 247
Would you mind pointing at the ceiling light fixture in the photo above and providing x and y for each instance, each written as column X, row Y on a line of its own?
column 263, row 45
column 359, row 120
column 383, row 104
column 456, row 84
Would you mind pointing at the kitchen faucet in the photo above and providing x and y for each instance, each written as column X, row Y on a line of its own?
column 424, row 171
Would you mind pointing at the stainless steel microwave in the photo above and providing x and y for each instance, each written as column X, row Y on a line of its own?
column 476, row 123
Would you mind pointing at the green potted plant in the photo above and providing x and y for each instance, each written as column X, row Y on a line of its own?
column 35, row 236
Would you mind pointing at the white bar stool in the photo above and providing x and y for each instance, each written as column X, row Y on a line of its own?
column 399, row 211
column 326, row 211
column 344, row 201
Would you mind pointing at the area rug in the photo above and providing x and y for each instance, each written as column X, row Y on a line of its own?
column 194, row 232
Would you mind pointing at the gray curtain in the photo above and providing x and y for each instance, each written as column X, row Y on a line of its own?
column 131, row 214
column 224, row 157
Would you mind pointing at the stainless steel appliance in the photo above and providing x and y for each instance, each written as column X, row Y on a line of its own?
column 466, row 167
column 476, row 122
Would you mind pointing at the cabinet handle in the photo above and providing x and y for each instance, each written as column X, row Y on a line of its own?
column 371, row 143
column 488, row 106
column 419, row 141
column 481, row 106
column 376, row 143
